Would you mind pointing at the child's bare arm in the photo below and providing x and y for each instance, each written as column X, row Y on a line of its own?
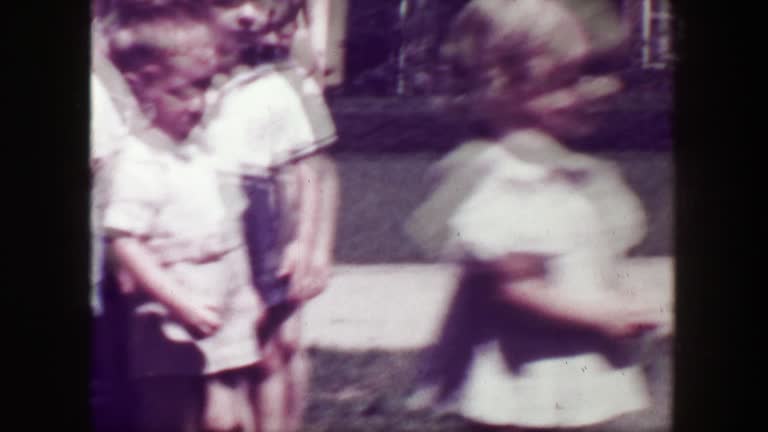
column 309, row 258
column 319, row 19
column 135, row 259
column 614, row 314
column 324, row 225
column 300, row 247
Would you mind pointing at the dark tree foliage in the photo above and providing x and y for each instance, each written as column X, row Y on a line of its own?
column 393, row 47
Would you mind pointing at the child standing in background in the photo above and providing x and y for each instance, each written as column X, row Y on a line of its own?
column 194, row 308
column 269, row 125
column 112, row 106
column 539, row 335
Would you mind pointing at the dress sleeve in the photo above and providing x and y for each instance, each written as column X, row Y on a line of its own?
column 135, row 194
column 453, row 180
column 622, row 214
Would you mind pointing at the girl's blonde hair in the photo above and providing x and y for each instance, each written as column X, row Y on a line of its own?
column 525, row 48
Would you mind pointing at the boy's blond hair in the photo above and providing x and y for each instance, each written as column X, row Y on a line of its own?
column 165, row 41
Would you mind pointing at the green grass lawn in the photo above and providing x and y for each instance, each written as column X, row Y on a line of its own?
column 366, row 392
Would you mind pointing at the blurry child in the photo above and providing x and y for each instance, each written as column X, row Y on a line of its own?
column 539, row 335
column 108, row 132
column 268, row 125
column 111, row 104
column 194, row 308
column 113, row 107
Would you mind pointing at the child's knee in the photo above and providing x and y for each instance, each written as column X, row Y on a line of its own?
column 277, row 359
column 290, row 336
column 220, row 414
column 271, row 361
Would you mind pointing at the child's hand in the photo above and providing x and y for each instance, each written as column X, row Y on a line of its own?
column 317, row 68
column 200, row 315
column 308, row 271
column 631, row 318
column 125, row 281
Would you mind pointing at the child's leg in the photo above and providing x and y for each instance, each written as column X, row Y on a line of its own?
column 269, row 394
column 297, row 370
column 220, row 412
column 229, row 405
column 271, row 401
column 246, row 408
column 282, row 392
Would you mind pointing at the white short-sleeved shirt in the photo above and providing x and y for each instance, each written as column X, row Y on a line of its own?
column 112, row 108
column 266, row 117
column 109, row 133
column 257, row 121
column 172, row 200
column 110, row 98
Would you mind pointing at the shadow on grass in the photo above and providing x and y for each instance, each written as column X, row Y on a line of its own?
column 366, row 391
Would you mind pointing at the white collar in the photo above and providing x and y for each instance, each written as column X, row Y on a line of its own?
column 243, row 74
column 226, row 83
column 240, row 75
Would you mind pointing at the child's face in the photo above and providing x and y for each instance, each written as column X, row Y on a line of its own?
column 177, row 96
column 144, row 4
column 243, row 18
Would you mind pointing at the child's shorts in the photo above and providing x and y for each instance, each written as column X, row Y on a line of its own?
column 261, row 220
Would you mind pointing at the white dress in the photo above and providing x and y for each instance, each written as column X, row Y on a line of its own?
column 497, row 198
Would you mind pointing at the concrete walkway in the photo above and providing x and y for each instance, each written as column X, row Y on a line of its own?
column 395, row 306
